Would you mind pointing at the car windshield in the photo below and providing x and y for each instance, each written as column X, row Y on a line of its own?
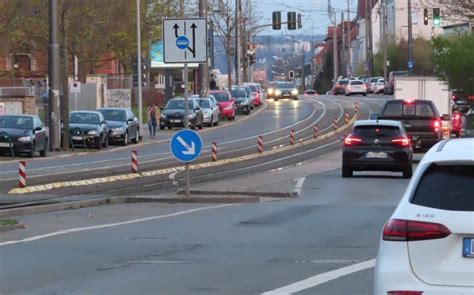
column 286, row 85
column 373, row 80
column 204, row 103
column 409, row 109
column 113, row 115
column 83, row 118
column 16, row 122
column 343, row 82
column 468, row 122
column 178, row 104
column 376, row 131
column 221, row 97
column 238, row 93
column 446, row 187
column 253, row 88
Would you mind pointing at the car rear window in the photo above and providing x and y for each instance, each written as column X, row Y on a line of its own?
column 343, row 82
column 409, row 109
column 221, row 97
column 357, row 83
column 376, row 131
column 447, row 187
column 468, row 122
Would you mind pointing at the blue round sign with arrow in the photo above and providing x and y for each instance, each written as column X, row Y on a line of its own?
column 186, row 145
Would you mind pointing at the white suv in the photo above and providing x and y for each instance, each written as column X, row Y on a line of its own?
column 427, row 246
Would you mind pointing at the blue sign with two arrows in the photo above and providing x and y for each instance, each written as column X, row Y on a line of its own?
column 186, row 145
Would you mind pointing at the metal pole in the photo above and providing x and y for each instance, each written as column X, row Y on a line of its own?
column 384, row 36
column 348, row 53
column 211, row 36
column 250, row 39
column 367, row 64
column 302, row 69
column 343, row 51
column 186, row 121
column 53, row 73
column 371, row 45
column 335, row 46
column 410, row 40
column 204, row 67
column 237, row 42
column 139, row 66
column 64, row 101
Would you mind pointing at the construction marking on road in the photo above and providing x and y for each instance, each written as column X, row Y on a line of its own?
column 65, row 184
column 322, row 278
column 108, row 225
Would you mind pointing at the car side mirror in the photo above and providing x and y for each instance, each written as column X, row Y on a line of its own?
column 445, row 117
column 103, row 123
column 38, row 128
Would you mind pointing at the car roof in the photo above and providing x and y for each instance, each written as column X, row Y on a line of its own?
column 18, row 115
column 356, row 80
column 86, row 111
column 114, row 109
column 451, row 150
column 392, row 123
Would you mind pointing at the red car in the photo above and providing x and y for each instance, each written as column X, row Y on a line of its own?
column 225, row 102
column 256, row 93
column 456, row 123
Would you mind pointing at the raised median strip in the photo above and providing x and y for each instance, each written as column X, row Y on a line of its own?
column 129, row 176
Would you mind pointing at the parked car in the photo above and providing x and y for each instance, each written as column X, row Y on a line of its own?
column 310, row 93
column 250, row 95
column 467, row 126
column 372, row 83
column 174, row 111
column 225, row 103
column 25, row 133
column 123, row 125
column 210, row 111
column 379, row 86
column 355, row 87
column 427, row 245
column 461, row 101
column 389, row 86
column 339, row 87
column 456, row 122
column 420, row 118
column 88, row 126
column 255, row 92
column 377, row 145
column 285, row 90
column 242, row 101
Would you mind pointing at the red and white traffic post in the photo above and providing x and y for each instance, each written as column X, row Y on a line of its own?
column 356, row 107
column 214, row 151
column 315, row 131
column 346, row 117
column 22, row 174
column 334, row 124
column 134, row 162
column 260, row 144
column 292, row 137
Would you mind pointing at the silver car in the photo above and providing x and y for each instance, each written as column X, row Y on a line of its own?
column 210, row 110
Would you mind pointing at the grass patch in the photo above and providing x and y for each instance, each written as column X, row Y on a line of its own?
column 4, row 222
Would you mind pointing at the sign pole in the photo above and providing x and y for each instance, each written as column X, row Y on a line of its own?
column 186, row 123
column 75, row 101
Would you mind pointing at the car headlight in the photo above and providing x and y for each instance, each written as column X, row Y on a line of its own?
column 118, row 130
column 24, row 139
column 92, row 132
column 294, row 91
column 162, row 116
column 277, row 92
column 270, row 91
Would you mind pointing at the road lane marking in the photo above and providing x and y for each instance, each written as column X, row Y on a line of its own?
column 322, row 278
column 299, row 185
column 172, row 177
column 108, row 225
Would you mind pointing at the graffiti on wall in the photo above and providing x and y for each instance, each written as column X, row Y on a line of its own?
column 119, row 98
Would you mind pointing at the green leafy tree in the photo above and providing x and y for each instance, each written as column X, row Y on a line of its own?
column 324, row 80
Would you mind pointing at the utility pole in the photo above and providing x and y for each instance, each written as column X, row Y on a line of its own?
column 384, row 36
column 343, row 51
column 204, row 67
column 65, row 98
column 410, row 41
column 371, row 45
column 335, row 46
column 53, row 77
column 348, row 53
column 237, row 43
column 250, row 39
column 367, row 65
column 302, row 68
column 139, row 67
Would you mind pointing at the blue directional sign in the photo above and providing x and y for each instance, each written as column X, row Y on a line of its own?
column 182, row 42
column 186, row 145
column 410, row 64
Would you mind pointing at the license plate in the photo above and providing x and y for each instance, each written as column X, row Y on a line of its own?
column 374, row 155
column 468, row 248
column 77, row 138
column 4, row 144
column 286, row 94
column 175, row 121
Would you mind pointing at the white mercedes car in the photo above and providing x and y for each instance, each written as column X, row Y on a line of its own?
column 427, row 246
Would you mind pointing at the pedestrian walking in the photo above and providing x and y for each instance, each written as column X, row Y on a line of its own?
column 153, row 117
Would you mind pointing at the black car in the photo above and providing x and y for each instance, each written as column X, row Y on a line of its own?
column 467, row 126
column 285, row 90
column 123, row 125
column 172, row 114
column 88, row 126
column 420, row 119
column 26, row 134
column 242, row 101
column 377, row 145
column 461, row 101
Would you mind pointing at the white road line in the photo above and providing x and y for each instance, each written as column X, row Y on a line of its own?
column 322, row 278
column 299, row 185
column 79, row 229
column 172, row 177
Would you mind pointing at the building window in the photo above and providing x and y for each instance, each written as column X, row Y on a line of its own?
column 22, row 62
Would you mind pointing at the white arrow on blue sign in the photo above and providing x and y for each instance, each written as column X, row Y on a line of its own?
column 186, row 145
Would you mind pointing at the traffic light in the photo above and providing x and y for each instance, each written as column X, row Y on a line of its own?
column 135, row 74
column 425, row 16
column 300, row 24
column 291, row 20
column 276, row 20
column 291, row 74
column 436, row 17
column 252, row 53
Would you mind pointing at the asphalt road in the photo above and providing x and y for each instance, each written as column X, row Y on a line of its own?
column 210, row 249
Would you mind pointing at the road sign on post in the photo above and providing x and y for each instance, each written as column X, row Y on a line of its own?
column 185, row 40
column 186, row 145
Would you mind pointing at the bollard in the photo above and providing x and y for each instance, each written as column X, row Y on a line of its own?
column 22, row 174
column 134, row 162
column 292, row 137
column 356, row 107
column 214, row 151
column 315, row 131
column 334, row 124
column 260, row 144
column 346, row 118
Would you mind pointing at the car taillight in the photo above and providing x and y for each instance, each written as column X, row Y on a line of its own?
column 352, row 140
column 404, row 292
column 401, row 141
column 436, row 125
column 408, row 101
column 410, row 230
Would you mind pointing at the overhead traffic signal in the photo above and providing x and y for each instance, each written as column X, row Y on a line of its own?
column 276, row 20
column 300, row 24
column 425, row 16
column 291, row 20
column 436, row 17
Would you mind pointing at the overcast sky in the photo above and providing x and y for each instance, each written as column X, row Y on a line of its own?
column 314, row 13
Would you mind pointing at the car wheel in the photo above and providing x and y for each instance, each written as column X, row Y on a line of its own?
column 162, row 127
column 247, row 112
column 201, row 125
column 347, row 94
column 125, row 139
column 217, row 122
column 44, row 151
column 364, row 94
column 295, row 98
column 346, row 172
column 408, row 172
column 136, row 139
column 31, row 153
column 98, row 142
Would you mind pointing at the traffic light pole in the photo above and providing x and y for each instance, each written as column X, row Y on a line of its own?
column 139, row 67
column 410, row 41
column 53, row 76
